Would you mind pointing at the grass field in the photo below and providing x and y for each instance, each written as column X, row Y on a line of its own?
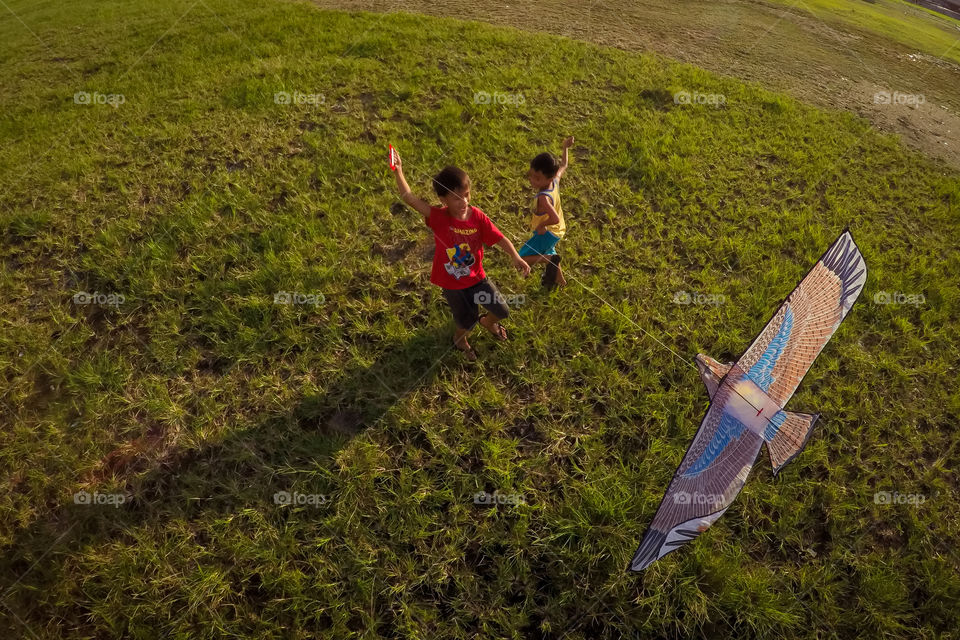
column 836, row 54
column 198, row 198
column 900, row 21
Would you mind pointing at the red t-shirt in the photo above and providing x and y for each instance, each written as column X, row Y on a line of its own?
column 458, row 252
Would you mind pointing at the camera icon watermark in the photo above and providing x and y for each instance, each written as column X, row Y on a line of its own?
column 685, row 297
column 108, row 299
column 88, row 98
column 285, row 498
column 87, row 498
column 498, row 498
column 293, row 297
column 909, row 99
column 295, row 97
column 895, row 497
column 510, row 300
column 498, row 97
column 897, row 297
column 685, row 497
column 712, row 99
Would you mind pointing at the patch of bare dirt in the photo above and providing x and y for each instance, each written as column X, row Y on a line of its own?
column 922, row 124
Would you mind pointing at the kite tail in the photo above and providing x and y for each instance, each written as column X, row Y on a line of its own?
column 788, row 436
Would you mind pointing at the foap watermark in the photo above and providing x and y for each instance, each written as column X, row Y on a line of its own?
column 685, row 297
column 108, row 299
column 685, row 497
column 296, row 498
column 293, row 297
column 87, row 97
column 686, row 97
column 898, row 297
column 498, row 97
column 909, row 99
column 498, row 498
column 87, row 498
column 295, row 97
column 510, row 300
column 895, row 497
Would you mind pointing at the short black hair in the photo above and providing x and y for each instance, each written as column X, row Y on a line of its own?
column 546, row 163
column 449, row 180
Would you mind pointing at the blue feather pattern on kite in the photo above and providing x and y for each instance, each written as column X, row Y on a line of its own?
column 774, row 426
column 761, row 372
column 728, row 429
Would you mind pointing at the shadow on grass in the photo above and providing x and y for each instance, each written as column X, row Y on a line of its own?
column 196, row 483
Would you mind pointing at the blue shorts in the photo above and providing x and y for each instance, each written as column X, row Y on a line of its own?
column 540, row 245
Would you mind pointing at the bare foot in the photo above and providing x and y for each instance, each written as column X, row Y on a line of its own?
column 466, row 349
column 493, row 326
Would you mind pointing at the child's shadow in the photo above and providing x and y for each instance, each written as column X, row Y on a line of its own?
column 194, row 482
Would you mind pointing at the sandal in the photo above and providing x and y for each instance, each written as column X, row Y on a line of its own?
column 497, row 330
column 467, row 352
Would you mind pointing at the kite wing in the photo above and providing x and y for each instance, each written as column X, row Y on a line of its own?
column 708, row 480
column 784, row 351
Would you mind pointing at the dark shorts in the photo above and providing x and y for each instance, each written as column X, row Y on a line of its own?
column 465, row 303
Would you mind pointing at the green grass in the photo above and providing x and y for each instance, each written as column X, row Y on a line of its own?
column 909, row 24
column 835, row 55
column 199, row 198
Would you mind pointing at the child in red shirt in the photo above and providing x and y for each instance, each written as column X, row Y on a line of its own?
column 460, row 233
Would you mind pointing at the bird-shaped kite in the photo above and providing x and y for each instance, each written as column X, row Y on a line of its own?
column 747, row 400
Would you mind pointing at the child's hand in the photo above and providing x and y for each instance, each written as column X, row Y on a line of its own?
column 396, row 160
column 567, row 143
column 540, row 230
column 522, row 266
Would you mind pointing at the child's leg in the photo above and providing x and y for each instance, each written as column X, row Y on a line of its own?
column 541, row 249
column 561, row 281
column 558, row 278
column 460, row 338
column 534, row 251
column 486, row 293
column 553, row 276
column 465, row 316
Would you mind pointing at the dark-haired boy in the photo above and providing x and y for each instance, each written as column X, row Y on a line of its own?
column 547, row 220
column 460, row 231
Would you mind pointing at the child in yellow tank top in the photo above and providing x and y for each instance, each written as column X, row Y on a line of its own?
column 547, row 221
column 543, row 218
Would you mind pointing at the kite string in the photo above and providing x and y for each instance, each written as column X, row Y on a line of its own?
column 655, row 339
column 631, row 320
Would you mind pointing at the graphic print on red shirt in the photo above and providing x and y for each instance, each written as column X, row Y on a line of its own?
column 458, row 250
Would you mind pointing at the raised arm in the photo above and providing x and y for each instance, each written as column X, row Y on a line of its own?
column 567, row 143
column 408, row 196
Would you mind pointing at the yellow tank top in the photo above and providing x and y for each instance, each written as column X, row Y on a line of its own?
column 553, row 194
